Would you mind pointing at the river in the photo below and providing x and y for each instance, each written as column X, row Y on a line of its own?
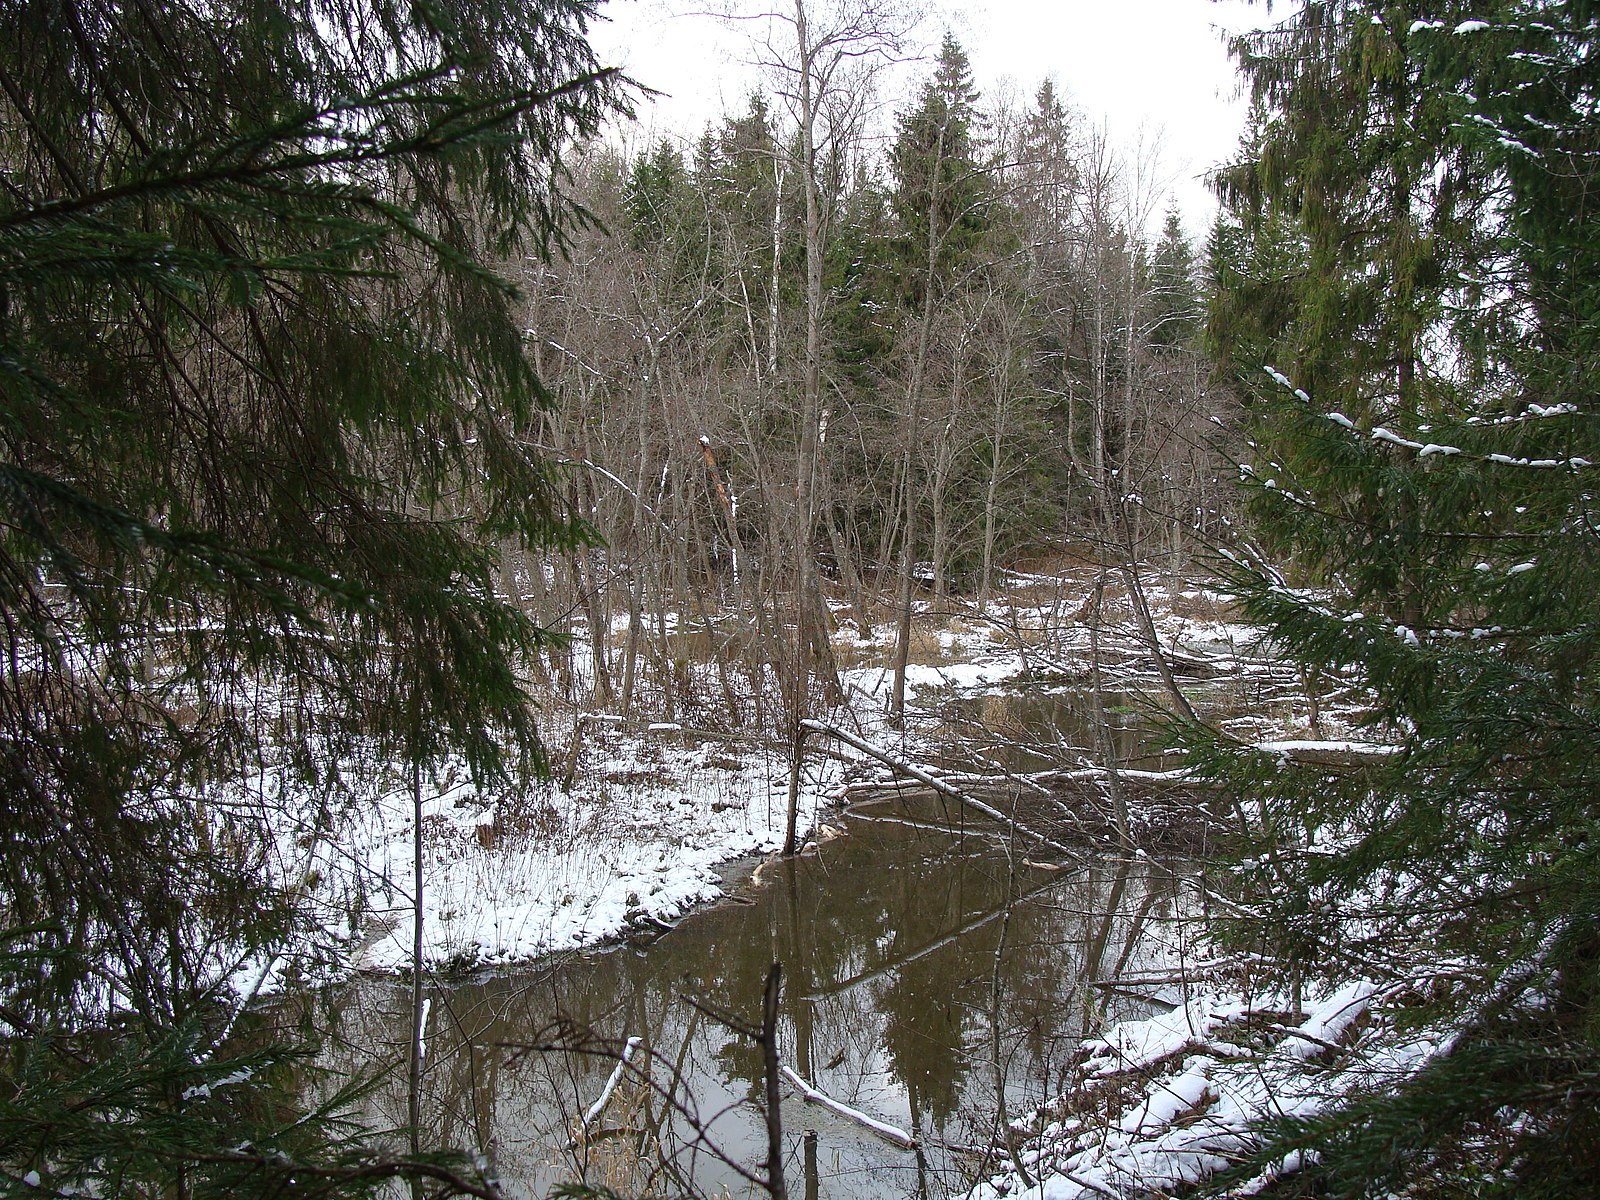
column 930, row 968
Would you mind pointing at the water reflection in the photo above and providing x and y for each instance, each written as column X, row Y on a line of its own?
column 895, row 1002
column 1034, row 730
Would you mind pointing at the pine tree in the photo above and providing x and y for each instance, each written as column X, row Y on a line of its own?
column 1423, row 465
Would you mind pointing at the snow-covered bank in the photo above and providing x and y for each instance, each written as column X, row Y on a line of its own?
column 634, row 841
column 1159, row 1104
column 631, row 837
column 635, row 831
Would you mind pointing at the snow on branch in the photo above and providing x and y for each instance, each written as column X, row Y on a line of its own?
column 1430, row 449
column 883, row 1129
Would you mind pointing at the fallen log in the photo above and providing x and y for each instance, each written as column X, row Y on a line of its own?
column 883, row 1129
column 1331, row 756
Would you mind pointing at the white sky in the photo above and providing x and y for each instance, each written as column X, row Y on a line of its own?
column 1154, row 71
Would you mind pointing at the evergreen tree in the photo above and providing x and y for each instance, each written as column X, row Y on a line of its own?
column 1357, row 147
column 1432, row 482
column 1174, row 320
column 262, row 402
column 941, row 193
column 655, row 195
column 262, row 419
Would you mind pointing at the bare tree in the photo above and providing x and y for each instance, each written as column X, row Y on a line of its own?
column 823, row 57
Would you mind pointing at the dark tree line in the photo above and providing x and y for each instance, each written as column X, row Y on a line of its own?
column 962, row 353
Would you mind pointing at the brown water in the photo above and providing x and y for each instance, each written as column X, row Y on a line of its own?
column 909, row 993
column 1032, row 729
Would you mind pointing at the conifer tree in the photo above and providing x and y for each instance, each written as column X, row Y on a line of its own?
column 1423, row 468
column 941, row 193
column 262, row 405
column 1175, row 317
column 940, row 198
column 262, row 420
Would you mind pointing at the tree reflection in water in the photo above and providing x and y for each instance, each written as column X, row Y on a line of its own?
column 888, row 940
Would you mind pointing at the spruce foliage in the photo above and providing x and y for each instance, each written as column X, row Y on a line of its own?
column 262, row 417
column 1408, row 206
column 941, row 190
column 261, row 402
column 128, row 1111
column 1175, row 317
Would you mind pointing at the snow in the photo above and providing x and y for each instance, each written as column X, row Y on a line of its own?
column 652, row 857
column 1163, row 1106
column 1308, row 745
column 1135, row 1045
column 882, row 1128
column 1193, row 1091
column 1381, row 434
column 599, row 1106
column 1284, row 381
column 203, row 1091
column 1330, row 1020
column 637, row 840
column 962, row 676
column 1539, row 463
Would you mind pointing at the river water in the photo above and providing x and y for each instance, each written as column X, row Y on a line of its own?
column 930, row 970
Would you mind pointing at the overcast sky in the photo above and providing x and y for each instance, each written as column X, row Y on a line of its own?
column 1154, row 71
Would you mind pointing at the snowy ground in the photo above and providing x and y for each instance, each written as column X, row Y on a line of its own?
column 635, row 840
column 632, row 837
column 1160, row 1104
column 636, row 834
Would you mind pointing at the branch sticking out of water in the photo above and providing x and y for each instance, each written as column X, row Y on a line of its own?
column 932, row 781
column 599, row 1106
column 883, row 1129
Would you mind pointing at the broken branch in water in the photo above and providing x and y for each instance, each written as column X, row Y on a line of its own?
column 883, row 1129
column 930, row 780
column 599, row 1106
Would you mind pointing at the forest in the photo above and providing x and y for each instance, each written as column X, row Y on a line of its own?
column 847, row 650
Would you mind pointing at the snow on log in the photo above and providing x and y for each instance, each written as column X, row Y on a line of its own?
column 599, row 1106
column 883, row 1129
column 1331, row 756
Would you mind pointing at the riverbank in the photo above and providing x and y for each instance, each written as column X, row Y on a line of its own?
column 631, row 832
column 639, row 826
